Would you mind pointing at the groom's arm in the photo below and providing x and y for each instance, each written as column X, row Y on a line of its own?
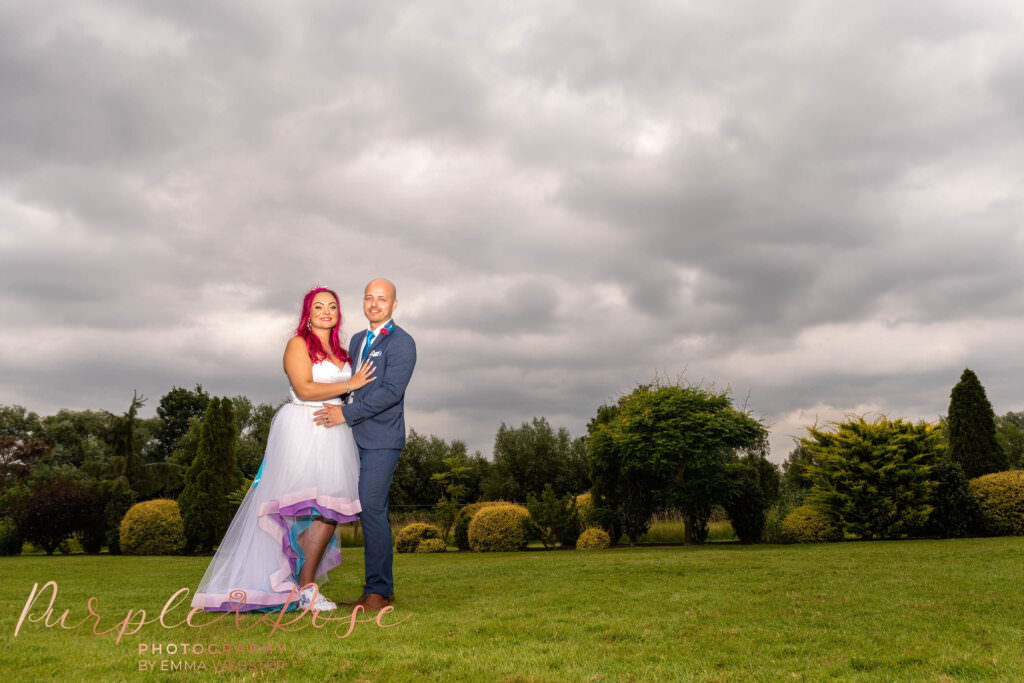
column 390, row 388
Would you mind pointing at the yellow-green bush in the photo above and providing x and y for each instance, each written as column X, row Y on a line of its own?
column 593, row 539
column 808, row 524
column 409, row 538
column 584, row 504
column 153, row 527
column 431, row 545
column 461, row 527
column 1000, row 500
column 499, row 527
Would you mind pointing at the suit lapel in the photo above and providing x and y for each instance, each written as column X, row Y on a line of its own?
column 378, row 341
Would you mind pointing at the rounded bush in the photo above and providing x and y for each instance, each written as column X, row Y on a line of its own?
column 153, row 527
column 1000, row 500
column 593, row 539
column 10, row 538
column 409, row 538
column 431, row 545
column 465, row 516
column 808, row 524
column 499, row 527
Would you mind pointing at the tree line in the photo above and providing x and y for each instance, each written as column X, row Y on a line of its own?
column 661, row 446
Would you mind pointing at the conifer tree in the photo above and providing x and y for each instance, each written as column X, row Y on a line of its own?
column 873, row 478
column 205, row 508
column 972, row 429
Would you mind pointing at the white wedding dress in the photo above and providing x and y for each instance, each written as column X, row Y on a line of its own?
column 307, row 470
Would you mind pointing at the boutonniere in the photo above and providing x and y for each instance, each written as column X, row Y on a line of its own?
column 386, row 330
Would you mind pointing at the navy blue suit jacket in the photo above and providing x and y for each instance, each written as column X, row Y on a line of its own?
column 377, row 411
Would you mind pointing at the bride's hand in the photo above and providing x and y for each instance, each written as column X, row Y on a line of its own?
column 362, row 378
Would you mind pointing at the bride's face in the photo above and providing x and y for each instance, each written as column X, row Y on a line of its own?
column 323, row 312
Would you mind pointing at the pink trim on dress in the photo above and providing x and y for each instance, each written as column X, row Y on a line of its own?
column 272, row 520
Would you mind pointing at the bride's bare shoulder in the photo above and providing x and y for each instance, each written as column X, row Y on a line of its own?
column 296, row 349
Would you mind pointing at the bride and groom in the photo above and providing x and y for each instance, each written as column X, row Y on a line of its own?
column 331, row 453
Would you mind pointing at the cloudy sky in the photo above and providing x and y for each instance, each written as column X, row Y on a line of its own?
column 816, row 204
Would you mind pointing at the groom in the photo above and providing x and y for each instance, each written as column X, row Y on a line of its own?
column 376, row 413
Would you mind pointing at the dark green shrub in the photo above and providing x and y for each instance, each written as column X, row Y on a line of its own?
column 153, row 528
column 954, row 513
column 593, row 539
column 554, row 520
column 746, row 500
column 119, row 499
column 92, row 539
column 605, row 518
column 92, row 530
column 773, row 522
column 1000, row 500
column 501, row 527
column 808, row 524
column 409, row 538
column 53, row 509
column 214, row 473
column 10, row 538
column 431, row 545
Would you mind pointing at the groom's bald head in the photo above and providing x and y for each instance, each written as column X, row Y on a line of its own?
column 382, row 282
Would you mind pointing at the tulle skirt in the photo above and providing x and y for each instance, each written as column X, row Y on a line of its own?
column 307, row 471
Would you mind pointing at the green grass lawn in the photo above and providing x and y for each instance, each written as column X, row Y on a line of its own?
column 907, row 610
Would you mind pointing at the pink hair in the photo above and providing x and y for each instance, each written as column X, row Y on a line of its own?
column 313, row 345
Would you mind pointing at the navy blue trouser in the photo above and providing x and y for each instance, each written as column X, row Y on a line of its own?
column 376, row 467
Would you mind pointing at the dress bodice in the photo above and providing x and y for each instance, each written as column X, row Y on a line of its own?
column 325, row 372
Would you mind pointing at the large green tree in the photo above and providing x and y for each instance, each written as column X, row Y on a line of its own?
column 205, row 508
column 874, row 479
column 668, row 445
column 533, row 455
column 252, row 423
column 176, row 410
column 972, row 429
column 413, row 484
column 78, row 436
column 17, row 422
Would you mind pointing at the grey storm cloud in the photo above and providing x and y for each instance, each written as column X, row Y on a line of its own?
column 817, row 205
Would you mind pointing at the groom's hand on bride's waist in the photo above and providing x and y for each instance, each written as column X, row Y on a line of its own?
column 329, row 416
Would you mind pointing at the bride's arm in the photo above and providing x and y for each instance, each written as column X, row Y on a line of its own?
column 299, row 369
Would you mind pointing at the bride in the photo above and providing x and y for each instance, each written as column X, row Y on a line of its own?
column 282, row 536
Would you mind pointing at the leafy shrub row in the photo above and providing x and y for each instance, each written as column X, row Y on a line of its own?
column 993, row 505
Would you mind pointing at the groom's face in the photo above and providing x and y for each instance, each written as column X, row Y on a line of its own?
column 378, row 302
